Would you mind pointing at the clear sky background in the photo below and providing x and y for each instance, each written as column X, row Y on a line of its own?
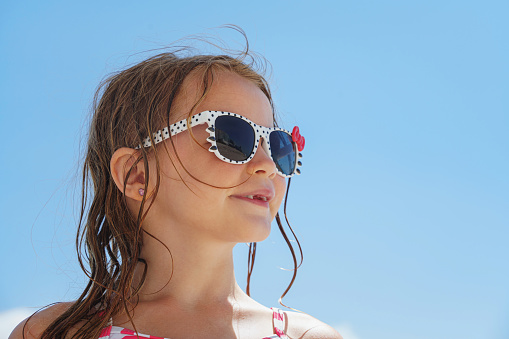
column 403, row 206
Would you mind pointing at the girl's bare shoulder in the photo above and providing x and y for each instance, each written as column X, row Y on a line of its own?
column 304, row 326
column 33, row 326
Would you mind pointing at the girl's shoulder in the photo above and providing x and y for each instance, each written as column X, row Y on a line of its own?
column 300, row 325
column 33, row 326
column 304, row 326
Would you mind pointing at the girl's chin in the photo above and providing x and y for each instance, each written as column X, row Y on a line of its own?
column 258, row 236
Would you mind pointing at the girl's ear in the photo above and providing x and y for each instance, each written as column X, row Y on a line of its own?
column 122, row 162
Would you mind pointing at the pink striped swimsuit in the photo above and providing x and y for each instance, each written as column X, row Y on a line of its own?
column 116, row 332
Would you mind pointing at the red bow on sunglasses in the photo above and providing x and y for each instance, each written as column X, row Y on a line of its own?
column 298, row 139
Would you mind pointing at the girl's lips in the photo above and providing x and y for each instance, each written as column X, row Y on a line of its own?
column 253, row 201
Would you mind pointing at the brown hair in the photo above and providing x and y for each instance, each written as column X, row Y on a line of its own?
column 128, row 106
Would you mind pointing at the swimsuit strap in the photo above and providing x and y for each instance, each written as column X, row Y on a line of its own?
column 279, row 322
column 105, row 332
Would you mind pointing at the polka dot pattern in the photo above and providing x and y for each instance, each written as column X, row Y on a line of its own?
column 209, row 118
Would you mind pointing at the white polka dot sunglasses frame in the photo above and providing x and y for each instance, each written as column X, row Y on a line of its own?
column 209, row 118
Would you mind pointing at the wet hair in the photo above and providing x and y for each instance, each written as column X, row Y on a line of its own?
column 128, row 106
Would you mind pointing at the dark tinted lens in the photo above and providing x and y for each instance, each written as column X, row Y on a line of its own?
column 235, row 138
column 283, row 151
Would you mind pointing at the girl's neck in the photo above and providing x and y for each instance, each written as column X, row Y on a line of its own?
column 193, row 275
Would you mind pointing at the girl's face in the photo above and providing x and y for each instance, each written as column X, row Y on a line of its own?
column 194, row 209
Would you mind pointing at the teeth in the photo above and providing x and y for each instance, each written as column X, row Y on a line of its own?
column 258, row 197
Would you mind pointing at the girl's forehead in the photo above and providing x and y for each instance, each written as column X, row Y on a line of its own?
column 228, row 92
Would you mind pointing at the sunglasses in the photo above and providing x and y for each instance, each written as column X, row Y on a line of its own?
column 235, row 139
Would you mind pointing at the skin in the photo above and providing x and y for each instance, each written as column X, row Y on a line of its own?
column 201, row 225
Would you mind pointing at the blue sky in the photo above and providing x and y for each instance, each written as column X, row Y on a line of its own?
column 402, row 208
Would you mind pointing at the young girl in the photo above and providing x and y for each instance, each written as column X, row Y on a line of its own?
column 186, row 161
